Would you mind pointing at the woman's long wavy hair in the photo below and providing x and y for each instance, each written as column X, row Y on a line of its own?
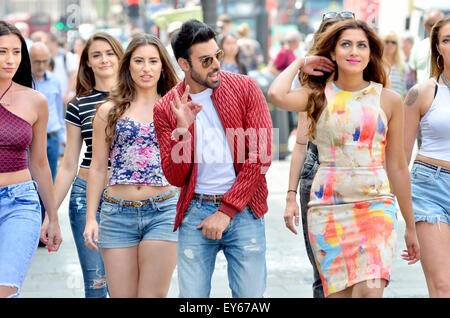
column 325, row 45
column 86, row 78
column 23, row 74
column 125, row 91
column 437, row 60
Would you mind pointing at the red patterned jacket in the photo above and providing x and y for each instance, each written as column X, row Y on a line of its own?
column 242, row 109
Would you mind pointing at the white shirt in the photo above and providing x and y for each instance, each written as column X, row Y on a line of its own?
column 216, row 172
column 420, row 60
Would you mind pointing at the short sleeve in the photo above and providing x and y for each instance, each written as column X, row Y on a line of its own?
column 72, row 114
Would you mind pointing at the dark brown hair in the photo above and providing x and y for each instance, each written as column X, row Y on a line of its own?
column 325, row 45
column 23, row 74
column 437, row 66
column 125, row 91
column 85, row 76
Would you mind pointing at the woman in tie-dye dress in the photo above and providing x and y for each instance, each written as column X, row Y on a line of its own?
column 358, row 128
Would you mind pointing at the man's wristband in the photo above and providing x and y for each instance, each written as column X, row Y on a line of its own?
column 292, row 191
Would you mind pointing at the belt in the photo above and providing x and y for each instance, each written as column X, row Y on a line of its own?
column 52, row 134
column 432, row 166
column 216, row 198
column 137, row 204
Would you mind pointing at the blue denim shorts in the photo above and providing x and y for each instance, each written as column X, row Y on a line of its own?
column 20, row 227
column 125, row 226
column 430, row 191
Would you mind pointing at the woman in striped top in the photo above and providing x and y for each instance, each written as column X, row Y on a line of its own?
column 99, row 64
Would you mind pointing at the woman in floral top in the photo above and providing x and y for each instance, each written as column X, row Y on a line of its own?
column 135, row 232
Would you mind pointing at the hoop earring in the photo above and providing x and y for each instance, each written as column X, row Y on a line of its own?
column 437, row 60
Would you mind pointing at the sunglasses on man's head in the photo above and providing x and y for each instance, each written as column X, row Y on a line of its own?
column 208, row 60
column 344, row 15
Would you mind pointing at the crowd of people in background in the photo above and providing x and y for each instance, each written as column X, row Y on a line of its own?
column 144, row 199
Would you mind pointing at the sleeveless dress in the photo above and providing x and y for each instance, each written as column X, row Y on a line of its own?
column 352, row 214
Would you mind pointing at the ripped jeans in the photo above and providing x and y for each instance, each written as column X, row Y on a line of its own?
column 243, row 244
column 91, row 261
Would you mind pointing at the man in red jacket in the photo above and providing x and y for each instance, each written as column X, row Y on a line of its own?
column 214, row 131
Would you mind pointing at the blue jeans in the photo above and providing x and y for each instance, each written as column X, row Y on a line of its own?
column 53, row 153
column 309, row 170
column 243, row 244
column 20, row 227
column 91, row 261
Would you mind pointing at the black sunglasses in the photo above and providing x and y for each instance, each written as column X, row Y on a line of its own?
column 208, row 60
column 343, row 14
column 390, row 42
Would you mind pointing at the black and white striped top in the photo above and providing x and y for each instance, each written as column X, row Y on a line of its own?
column 80, row 112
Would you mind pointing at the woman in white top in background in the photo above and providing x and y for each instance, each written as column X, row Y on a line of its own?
column 427, row 106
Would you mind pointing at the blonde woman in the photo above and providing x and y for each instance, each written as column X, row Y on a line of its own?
column 398, row 68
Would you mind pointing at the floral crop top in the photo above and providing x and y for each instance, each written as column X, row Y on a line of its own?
column 134, row 155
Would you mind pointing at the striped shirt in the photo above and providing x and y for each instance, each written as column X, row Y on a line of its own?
column 80, row 112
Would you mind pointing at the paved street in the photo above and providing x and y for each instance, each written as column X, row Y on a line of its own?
column 289, row 271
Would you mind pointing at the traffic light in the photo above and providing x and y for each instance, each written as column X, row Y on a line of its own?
column 62, row 24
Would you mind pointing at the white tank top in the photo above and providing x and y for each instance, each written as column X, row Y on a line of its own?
column 435, row 126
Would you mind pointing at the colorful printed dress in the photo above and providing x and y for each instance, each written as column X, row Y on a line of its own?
column 352, row 215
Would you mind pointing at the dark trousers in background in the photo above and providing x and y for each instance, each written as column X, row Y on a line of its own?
column 52, row 155
column 308, row 172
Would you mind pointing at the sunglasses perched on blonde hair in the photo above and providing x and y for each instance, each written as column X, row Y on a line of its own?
column 208, row 60
column 343, row 14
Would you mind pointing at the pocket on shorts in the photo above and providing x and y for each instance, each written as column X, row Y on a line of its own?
column 27, row 198
column 109, row 208
column 168, row 205
column 420, row 176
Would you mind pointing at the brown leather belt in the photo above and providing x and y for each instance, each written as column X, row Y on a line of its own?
column 216, row 198
column 137, row 204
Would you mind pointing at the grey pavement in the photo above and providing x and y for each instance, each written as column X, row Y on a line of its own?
column 289, row 273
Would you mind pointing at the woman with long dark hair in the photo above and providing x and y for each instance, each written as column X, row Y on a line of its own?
column 23, row 129
column 357, row 125
column 135, row 232
column 97, row 75
column 427, row 106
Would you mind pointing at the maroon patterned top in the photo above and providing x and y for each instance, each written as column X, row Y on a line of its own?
column 15, row 138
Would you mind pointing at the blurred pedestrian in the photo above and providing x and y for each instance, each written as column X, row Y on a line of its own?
column 223, row 188
column 78, row 47
column 25, row 31
column 224, row 23
column 407, row 45
column 286, row 55
column 23, row 117
column 427, row 108
column 135, row 233
column 231, row 53
column 46, row 83
column 419, row 60
column 250, row 50
column 65, row 66
column 97, row 76
column 304, row 163
column 398, row 69
column 350, row 114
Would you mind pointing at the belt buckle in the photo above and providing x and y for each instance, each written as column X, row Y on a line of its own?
column 138, row 204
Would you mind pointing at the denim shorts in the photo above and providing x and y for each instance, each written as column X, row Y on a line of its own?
column 125, row 226
column 20, row 227
column 430, row 191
